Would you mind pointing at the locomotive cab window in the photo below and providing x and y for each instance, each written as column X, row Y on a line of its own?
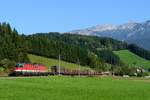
column 19, row 65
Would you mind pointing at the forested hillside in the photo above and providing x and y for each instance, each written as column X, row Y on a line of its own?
column 12, row 46
column 89, row 50
column 92, row 51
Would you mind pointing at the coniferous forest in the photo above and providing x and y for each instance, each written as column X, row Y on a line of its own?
column 91, row 51
column 12, row 46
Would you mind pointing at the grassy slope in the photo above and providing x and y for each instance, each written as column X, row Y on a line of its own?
column 67, row 88
column 129, row 58
column 52, row 62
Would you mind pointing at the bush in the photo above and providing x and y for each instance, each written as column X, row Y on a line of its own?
column 1, row 69
column 7, row 64
column 143, row 74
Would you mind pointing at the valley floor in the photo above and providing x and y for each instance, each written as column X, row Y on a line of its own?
column 74, row 88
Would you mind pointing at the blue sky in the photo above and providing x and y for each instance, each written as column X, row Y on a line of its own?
column 31, row 16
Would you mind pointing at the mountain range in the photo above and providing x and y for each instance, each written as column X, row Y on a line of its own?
column 132, row 32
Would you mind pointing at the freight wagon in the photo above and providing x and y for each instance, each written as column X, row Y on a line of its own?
column 56, row 70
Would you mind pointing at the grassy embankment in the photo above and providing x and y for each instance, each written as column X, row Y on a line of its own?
column 131, row 59
column 53, row 62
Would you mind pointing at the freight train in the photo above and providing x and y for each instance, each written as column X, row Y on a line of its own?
column 28, row 69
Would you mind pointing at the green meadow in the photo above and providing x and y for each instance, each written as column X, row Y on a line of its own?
column 131, row 59
column 73, row 88
column 53, row 62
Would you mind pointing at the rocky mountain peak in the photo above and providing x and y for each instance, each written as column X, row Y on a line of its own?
column 147, row 22
column 132, row 32
column 129, row 25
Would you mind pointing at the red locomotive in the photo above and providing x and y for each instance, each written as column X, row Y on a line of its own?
column 28, row 69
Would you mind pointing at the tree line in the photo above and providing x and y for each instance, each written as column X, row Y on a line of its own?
column 12, row 47
column 139, row 51
column 92, row 51
column 73, row 47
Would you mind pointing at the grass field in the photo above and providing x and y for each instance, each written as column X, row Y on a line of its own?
column 53, row 62
column 73, row 88
column 130, row 58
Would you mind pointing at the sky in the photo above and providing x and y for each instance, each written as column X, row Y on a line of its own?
column 32, row 16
